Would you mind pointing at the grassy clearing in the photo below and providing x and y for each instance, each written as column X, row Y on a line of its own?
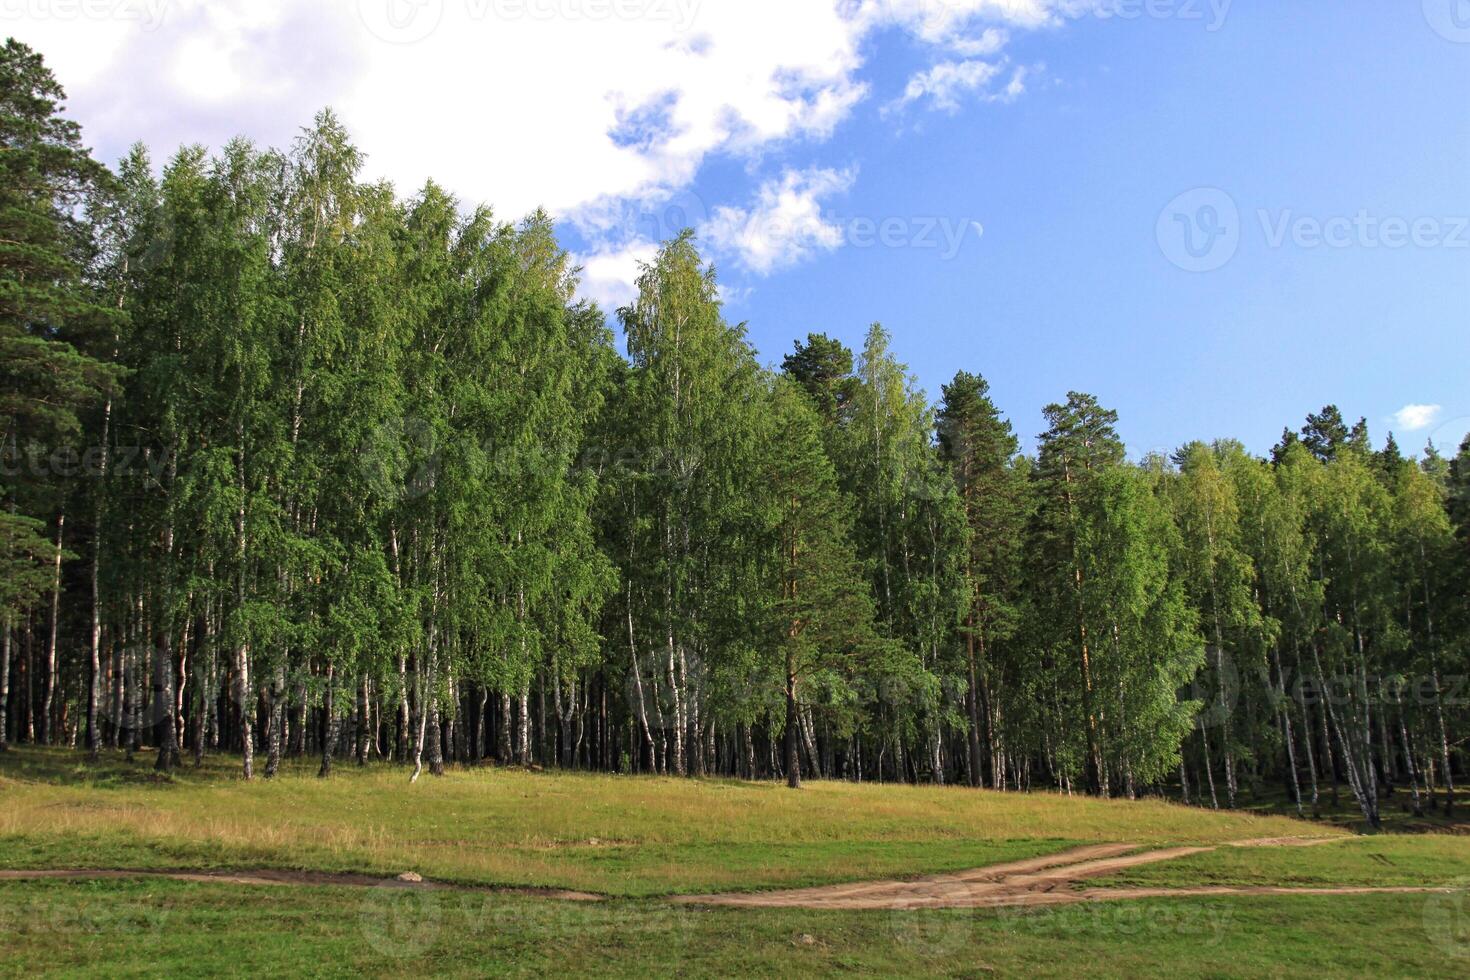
column 1388, row 860
column 153, row 928
column 636, row 838
column 608, row 834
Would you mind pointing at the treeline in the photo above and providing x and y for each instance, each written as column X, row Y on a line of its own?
column 294, row 465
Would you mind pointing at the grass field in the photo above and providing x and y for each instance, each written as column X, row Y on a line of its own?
column 636, row 840
column 165, row 928
column 1382, row 861
column 607, row 834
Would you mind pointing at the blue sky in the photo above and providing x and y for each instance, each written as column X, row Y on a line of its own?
column 1296, row 108
column 1312, row 158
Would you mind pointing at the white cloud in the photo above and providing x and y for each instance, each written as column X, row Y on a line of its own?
column 955, row 23
column 1412, row 418
column 943, row 84
column 989, row 42
column 1016, row 87
column 785, row 224
column 946, row 84
column 460, row 98
column 601, row 111
column 733, row 295
column 608, row 277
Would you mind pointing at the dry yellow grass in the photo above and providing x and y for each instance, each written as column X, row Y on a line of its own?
column 609, row 834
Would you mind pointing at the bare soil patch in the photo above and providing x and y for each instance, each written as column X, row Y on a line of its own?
column 1049, row 880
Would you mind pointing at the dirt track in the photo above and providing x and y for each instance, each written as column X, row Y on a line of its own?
column 267, row 877
column 1047, row 880
column 1040, row 881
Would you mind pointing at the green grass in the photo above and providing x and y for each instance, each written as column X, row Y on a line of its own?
column 153, row 928
column 639, row 838
column 628, row 836
column 1385, row 860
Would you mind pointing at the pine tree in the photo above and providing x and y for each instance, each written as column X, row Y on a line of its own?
column 1325, row 433
column 1080, row 446
column 52, row 327
column 980, row 448
column 822, row 620
column 823, row 367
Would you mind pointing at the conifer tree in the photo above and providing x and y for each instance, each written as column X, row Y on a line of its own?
column 980, row 448
column 822, row 618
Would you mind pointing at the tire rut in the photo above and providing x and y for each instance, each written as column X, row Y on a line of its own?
column 1050, row 880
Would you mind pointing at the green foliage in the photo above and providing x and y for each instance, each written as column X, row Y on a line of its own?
column 365, row 476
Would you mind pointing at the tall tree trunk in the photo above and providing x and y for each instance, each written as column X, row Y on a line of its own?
column 792, row 747
column 421, row 719
column 1363, row 792
column 1307, row 735
column 329, row 722
column 503, row 752
column 94, row 664
column 523, row 732
column 244, row 690
column 50, row 690
column 638, row 681
column 163, row 704
column 5, row 683
column 28, row 665
column 99, row 511
column 1204, row 742
column 1409, row 764
column 163, row 660
column 1227, row 736
column 401, row 743
column 436, row 748
column 276, row 717
column 1296, row 786
column 118, row 698
column 364, row 726
column 1444, row 737
column 972, row 706
column 205, row 687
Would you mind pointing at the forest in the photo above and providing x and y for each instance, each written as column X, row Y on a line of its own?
column 297, row 465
